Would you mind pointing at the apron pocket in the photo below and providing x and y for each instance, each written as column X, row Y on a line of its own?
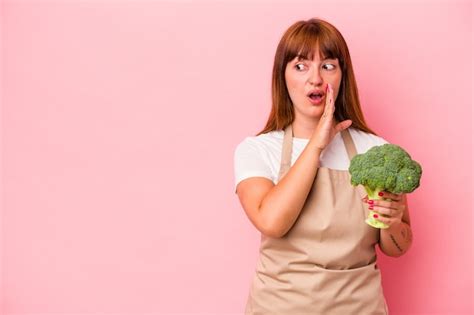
column 353, row 291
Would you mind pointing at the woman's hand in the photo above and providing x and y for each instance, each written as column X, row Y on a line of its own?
column 390, row 211
column 327, row 129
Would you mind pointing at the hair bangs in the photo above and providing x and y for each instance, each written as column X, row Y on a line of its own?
column 309, row 40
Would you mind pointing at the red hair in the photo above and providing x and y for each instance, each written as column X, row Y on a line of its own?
column 302, row 39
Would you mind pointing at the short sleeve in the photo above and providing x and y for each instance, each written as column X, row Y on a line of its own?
column 364, row 140
column 380, row 140
column 249, row 162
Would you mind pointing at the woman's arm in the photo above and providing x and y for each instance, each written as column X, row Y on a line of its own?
column 283, row 203
column 397, row 239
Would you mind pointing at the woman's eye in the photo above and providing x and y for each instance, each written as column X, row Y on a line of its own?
column 328, row 66
column 331, row 67
column 299, row 64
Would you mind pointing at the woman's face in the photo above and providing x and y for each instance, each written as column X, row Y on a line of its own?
column 304, row 76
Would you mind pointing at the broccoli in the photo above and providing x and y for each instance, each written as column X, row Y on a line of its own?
column 385, row 167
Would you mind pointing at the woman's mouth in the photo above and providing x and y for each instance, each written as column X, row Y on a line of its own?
column 316, row 98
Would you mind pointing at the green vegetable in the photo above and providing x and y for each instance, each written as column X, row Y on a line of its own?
column 385, row 167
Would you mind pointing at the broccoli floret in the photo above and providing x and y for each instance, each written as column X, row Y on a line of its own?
column 385, row 167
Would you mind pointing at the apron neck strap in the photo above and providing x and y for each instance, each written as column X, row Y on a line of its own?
column 286, row 151
column 348, row 143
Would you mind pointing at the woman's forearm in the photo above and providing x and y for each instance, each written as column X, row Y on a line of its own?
column 282, row 205
column 396, row 240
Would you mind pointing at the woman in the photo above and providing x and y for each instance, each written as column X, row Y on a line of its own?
column 317, row 254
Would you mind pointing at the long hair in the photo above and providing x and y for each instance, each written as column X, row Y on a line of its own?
column 303, row 38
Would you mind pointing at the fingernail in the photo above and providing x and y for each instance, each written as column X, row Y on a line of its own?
column 371, row 207
column 376, row 215
column 380, row 193
column 371, row 202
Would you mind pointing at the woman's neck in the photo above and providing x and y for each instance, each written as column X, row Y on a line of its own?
column 304, row 129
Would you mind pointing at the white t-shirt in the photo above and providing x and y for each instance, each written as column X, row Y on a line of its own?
column 261, row 155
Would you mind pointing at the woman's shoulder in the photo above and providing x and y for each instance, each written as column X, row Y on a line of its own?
column 365, row 140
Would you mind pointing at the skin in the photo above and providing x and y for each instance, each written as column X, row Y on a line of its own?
column 397, row 238
column 317, row 123
column 303, row 76
column 393, row 212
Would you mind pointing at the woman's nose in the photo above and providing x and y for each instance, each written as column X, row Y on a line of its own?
column 315, row 77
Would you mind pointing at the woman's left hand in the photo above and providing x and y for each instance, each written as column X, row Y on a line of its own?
column 390, row 211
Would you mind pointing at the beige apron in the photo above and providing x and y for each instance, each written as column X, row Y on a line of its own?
column 326, row 263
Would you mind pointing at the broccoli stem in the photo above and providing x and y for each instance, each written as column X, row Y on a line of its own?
column 374, row 195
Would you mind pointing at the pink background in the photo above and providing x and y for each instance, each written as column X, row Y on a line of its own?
column 119, row 123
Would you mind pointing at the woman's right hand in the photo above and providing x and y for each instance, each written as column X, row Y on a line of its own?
column 327, row 128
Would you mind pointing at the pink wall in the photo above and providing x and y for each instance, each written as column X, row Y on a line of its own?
column 119, row 123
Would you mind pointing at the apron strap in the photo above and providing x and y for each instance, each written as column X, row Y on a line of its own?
column 348, row 143
column 286, row 151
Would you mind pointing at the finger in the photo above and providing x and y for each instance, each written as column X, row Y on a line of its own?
column 385, row 211
column 387, row 221
column 389, row 195
column 384, row 203
column 329, row 94
column 328, row 109
column 343, row 125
